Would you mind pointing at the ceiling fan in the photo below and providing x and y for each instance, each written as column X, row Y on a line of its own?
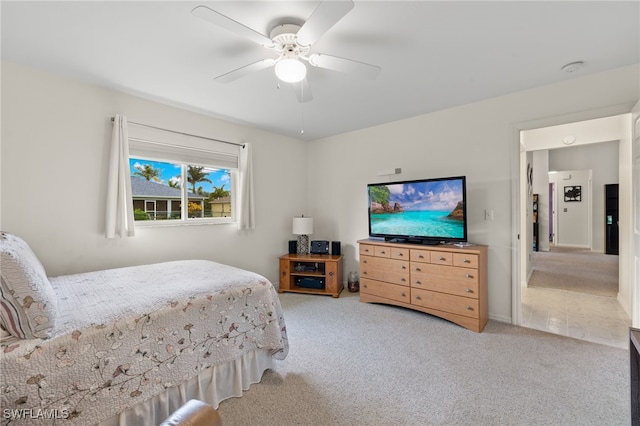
column 292, row 44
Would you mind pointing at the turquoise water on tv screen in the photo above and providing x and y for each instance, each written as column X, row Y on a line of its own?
column 417, row 223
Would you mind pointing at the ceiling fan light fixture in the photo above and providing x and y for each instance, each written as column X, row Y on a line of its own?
column 290, row 70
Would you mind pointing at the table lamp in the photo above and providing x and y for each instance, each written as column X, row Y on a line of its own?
column 302, row 227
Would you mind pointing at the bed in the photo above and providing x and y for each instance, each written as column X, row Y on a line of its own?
column 128, row 346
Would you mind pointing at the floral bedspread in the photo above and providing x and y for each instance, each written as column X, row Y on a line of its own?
column 125, row 335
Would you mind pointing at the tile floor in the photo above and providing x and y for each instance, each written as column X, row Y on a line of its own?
column 582, row 316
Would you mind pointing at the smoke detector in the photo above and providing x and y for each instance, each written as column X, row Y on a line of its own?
column 573, row 67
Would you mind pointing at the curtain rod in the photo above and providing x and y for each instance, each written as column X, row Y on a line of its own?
column 182, row 133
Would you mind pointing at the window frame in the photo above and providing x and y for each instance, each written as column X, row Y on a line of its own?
column 184, row 219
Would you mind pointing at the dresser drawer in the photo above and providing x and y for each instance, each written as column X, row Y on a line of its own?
column 446, row 302
column 382, row 251
column 366, row 249
column 388, row 291
column 383, row 269
column 420, row 256
column 465, row 260
column 385, row 264
column 468, row 287
column 399, row 253
column 442, row 257
column 464, row 276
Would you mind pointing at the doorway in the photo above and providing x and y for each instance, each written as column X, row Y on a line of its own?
column 612, row 237
column 552, row 212
column 559, row 321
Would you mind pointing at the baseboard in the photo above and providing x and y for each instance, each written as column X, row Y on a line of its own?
column 500, row 318
column 571, row 246
column 623, row 303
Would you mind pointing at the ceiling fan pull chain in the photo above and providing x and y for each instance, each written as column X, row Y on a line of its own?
column 302, row 110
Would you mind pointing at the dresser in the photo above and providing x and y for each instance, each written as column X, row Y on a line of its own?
column 445, row 280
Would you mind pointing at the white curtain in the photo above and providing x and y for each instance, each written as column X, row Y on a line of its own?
column 119, row 215
column 247, row 218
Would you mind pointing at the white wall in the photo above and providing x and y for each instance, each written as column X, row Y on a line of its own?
column 55, row 139
column 477, row 140
column 58, row 131
column 573, row 218
column 602, row 159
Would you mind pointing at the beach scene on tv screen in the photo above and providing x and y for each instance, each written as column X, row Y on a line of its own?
column 421, row 209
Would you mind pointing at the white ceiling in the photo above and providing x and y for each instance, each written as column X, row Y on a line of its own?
column 434, row 55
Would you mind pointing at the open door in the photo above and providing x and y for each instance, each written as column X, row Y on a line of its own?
column 552, row 213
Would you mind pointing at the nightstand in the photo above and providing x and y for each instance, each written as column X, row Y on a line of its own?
column 311, row 274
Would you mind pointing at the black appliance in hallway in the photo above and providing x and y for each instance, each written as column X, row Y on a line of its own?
column 611, row 218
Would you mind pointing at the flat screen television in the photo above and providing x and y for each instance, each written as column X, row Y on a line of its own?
column 426, row 211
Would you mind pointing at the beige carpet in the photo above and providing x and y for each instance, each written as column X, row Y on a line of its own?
column 577, row 270
column 357, row 364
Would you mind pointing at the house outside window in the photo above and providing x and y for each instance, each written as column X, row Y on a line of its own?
column 221, row 207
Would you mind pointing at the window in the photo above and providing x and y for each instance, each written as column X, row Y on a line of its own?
column 178, row 178
column 158, row 191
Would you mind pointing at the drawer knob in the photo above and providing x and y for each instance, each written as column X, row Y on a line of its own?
column 403, row 267
column 418, row 282
column 442, row 258
column 420, row 256
column 400, row 254
column 417, row 269
column 469, row 308
column 383, row 252
column 364, row 272
column 330, row 274
column 466, row 261
column 403, row 279
column 403, row 295
column 469, row 290
column 469, row 276
column 418, row 298
column 364, row 261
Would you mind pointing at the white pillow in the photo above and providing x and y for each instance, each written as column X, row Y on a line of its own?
column 27, row 301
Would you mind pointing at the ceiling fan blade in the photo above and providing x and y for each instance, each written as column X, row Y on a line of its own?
column 303, row 92
column 247, row 69
column 326, row 15
column 347, row 66
column 217, row 18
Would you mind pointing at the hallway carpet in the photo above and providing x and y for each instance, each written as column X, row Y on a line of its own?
column 576, row 270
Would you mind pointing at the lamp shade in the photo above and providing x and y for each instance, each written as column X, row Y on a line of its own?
column 290, row 70
column 303, row 225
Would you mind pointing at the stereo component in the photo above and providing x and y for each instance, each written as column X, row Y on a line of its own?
column 335, row 248
column 317, row 283
column 319, row 247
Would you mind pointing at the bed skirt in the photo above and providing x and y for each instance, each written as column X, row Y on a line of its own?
column 212, row 386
